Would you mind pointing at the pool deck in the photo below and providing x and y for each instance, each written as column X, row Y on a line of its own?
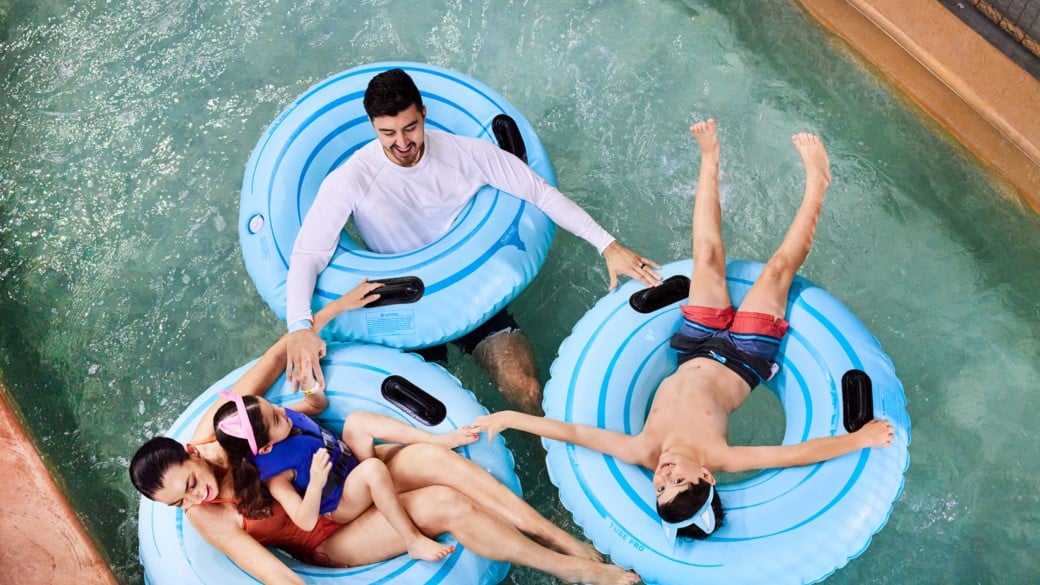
column 978, row 94
column 984, row 99
column 44, row 541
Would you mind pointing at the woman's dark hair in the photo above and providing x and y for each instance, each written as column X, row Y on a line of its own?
column 254, row 500
column 151, row 462
column 686, row 503
column 390, row 93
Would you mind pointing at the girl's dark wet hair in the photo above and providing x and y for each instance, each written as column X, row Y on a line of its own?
column 686, row 503
column 254, row 501
column 151, row 462
column 390, row 93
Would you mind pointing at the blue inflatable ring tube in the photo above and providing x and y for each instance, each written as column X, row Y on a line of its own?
column 173, row 553
column 493, row 251
column 795, row 525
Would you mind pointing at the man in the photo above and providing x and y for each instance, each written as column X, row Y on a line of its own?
column 422, row 179
column 723, row 355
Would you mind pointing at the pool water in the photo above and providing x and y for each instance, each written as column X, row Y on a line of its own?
column 126, row 128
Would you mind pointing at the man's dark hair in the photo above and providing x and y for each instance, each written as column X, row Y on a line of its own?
column 686, row 503
column 390, row 93
column 151, row 462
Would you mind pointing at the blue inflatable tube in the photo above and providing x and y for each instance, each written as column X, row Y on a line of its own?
column 795, row 525
column 173, row 553
column 493, row 251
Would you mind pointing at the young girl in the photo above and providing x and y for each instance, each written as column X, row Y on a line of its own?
column 311, row 472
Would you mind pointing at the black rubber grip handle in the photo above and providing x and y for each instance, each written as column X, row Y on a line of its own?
column 648, row 300
column 508, row 136
column 398, row 291
column 857, row 396
column 413, row 400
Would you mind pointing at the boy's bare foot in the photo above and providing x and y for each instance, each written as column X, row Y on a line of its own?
column 814, row 157
column 707, row 137
column 466, row 435
column 427, row 549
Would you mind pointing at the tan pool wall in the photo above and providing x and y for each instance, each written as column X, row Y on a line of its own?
column 981, row 96
column 42, row 541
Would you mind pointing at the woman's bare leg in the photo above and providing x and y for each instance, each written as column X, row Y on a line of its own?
column 370, row 484
column 421, row 465
column 769, row 293
column 708, row 287
column 439, row 509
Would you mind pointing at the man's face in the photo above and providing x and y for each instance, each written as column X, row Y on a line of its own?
column 401, row 136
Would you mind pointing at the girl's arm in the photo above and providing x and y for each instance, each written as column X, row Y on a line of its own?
column 219, row 525
column 876, row 433
column 362, row 429
column 627, row 448
column 303, row 511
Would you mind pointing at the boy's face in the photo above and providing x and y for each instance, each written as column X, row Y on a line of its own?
column 402, row 136
column 676, row 473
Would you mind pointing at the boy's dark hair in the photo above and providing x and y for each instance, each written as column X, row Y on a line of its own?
column 390, row 93
column 686, row 503
column 151, row 462
column 254, row 500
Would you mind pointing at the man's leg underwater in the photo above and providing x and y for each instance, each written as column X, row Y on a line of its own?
column 508, row 357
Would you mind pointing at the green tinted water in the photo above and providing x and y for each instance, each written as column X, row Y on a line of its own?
column 125, row 131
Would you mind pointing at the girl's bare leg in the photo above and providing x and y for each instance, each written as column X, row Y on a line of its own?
column 708, row 286
column 769, row 293
column 438, row 509
column 421, row 465
column 370, row 484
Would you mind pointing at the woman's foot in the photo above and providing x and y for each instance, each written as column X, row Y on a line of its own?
column 605, row 574
column 427, row 549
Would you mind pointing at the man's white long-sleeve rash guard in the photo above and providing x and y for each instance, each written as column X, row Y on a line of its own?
column 397, row 209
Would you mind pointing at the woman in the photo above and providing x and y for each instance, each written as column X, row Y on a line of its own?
column 441, row 491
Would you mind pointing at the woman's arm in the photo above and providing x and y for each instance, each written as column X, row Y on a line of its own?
column 220, row 526
column 627, row 448
column 876, row 433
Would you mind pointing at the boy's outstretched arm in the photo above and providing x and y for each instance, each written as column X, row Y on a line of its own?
column 627, row 448
column 876, row 433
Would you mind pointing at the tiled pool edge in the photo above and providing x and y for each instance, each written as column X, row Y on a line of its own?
column 983, row 98
column 46, row 542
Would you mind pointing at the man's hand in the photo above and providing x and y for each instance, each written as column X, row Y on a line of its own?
column 621, row 260
column 304, row 349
